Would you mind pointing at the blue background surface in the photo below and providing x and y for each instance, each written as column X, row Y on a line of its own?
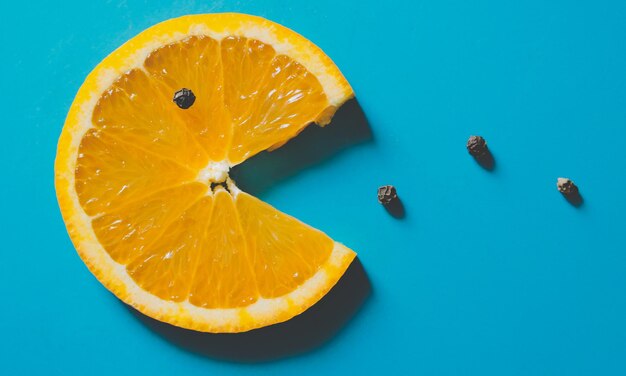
column 490, row 273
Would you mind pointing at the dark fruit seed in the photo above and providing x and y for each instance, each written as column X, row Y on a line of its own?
column 184, row 98
column 567, row 187
column 387, row 194
column 477, row 146
column 570, row 191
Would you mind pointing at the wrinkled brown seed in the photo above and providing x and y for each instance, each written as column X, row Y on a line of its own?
column 567, row 187
column 477, row 146
column 387, row 194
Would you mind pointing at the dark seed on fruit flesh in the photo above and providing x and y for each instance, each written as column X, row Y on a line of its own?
column 184, row 98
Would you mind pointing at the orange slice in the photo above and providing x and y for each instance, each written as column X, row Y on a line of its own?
column 143, row 184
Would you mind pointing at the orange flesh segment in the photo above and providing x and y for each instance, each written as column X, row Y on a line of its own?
column 111, row 173
column 215, row 251
column 166, row 269
column 270, row 97
column 139, row 110
column 207, row 119
column 223, row 277
column 127, row 232
column 226, row 253
column 285, row 251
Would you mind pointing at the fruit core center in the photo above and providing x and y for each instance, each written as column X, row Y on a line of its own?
column 214, row 172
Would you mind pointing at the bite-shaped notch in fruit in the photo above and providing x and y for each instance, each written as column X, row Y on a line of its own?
column 142, row 172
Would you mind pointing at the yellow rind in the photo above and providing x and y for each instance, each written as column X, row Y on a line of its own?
column 113, row 275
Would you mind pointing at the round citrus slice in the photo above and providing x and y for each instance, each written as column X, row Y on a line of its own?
column 142, row 166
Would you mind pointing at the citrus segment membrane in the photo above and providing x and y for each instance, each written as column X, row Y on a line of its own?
column 217, row 251
column 215, row 254
column 224, row 276
column 143, row 183
column 265, row 100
